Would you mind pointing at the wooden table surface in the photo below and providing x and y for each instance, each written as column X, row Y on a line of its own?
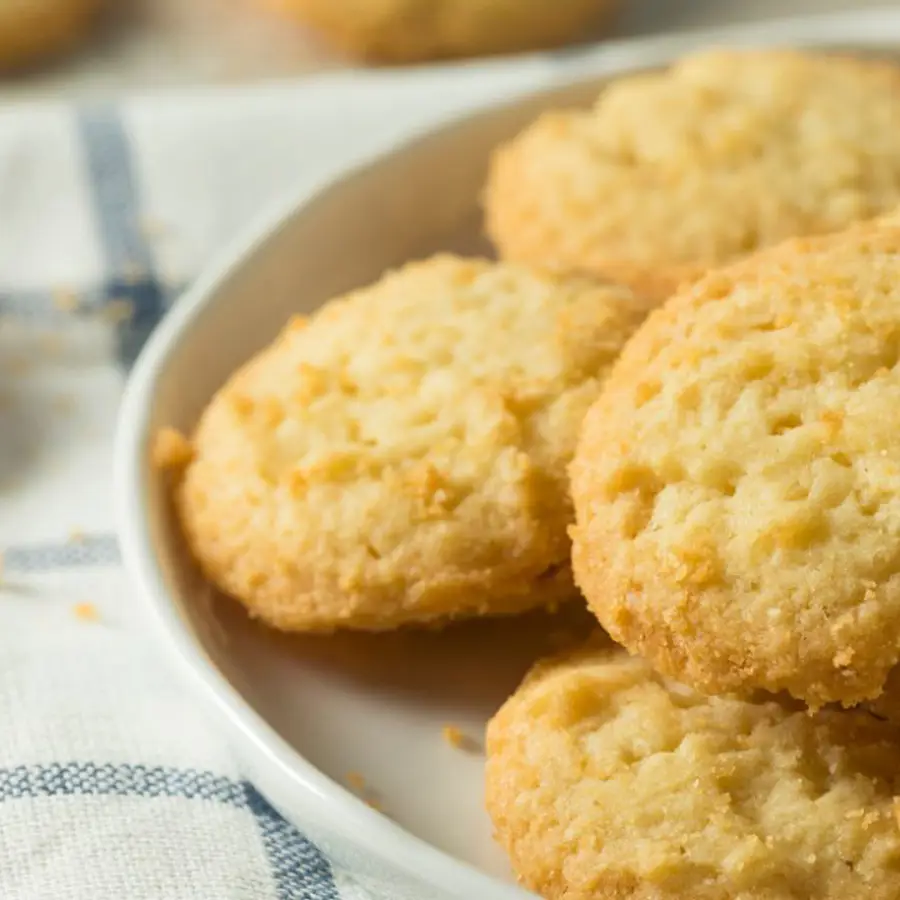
column 162, row 43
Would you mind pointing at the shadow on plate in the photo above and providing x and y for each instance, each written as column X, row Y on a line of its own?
column 472, row 665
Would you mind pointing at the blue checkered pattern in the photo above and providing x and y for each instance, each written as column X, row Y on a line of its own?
column 298, row 870
column 130, row 263
column 117, row 207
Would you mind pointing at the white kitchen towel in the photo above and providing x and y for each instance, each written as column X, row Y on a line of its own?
column 110, row 785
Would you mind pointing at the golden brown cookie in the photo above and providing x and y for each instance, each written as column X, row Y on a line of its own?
column 401, row 457
column 737, row 484
column 677, row 171
column 606, row 781
column 413, row 30
column 32, row 30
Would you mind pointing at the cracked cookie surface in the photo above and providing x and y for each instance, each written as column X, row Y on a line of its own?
column 607, row 781
column 674, row 172
column 737, row 483
column 401, row 456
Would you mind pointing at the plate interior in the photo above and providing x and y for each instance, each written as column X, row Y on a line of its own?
column 370, row 711
column 367, row 710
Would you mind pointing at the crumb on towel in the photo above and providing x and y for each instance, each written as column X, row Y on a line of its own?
column 65, row 299
column 87, row 612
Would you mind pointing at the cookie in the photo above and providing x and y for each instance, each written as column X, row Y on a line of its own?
column 606, row 781
column 32, row 30
column 674, row 172
column 416, row 30
column 401, row 457
column 737, row 483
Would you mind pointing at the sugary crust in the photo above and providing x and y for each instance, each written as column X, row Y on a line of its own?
column 36, row 29
column 677, row 171
column 737, row 484
column 605, row 781
column 402, row 456
column 413, row 30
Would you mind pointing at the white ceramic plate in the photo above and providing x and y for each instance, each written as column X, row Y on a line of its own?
column 304, row 713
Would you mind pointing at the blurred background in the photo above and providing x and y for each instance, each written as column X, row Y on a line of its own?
column 143, row 44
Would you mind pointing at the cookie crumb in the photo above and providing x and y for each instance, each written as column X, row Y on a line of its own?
column 457, row 739
column 117, row 311
column 453, row 736
column 65, row 300
column 87, row 612
column 357, row 783
column 171, row 449
column 356, row 780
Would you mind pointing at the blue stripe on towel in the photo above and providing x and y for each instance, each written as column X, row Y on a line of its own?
column 289, row 854
column 45, row 307
column 299, row 870
column 116, row 200
column 50, row 307
column 90, row 550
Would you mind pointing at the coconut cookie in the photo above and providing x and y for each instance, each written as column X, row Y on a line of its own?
column 737, row 484
column 413, row 30
column 401, row 457
column 675, row 172
column 606, row 781
column 31, row 30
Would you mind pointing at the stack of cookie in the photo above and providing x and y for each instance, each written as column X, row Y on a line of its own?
column 406, row 456
column 737, row 493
